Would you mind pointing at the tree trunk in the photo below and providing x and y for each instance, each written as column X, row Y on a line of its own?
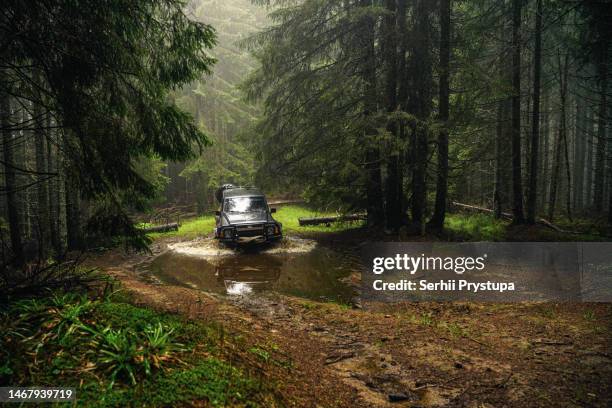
column 498, row 194
column 393, row 203
column 437, row 220
column 52, row 167
column 10, row 179
column 579, row 155
column 372, row 151
column 517, row 184
column 545, row 148
column 535, row 121
column 73, row 210
column 590, row 144
column 563, row 73
column 420, row 105
column 402, row 99
column 42, row 205
column 554, row 179
column 600, row 164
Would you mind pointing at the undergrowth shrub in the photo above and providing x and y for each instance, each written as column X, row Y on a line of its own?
column 66, row 328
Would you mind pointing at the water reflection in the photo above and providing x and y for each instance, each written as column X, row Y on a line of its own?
column 315, row 274
column 241, row 279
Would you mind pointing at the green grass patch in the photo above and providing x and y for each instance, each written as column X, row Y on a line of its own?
column 117, row 354
column 193, row 228
column 288, row 215
column 211, row 379
column 484, row 227
column 475, row 227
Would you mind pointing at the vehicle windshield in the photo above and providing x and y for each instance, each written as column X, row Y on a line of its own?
column 244, row 204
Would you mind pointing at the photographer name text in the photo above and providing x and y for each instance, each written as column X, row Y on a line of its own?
column 448, row 285
column 422, row 263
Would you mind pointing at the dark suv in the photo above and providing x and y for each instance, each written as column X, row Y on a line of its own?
column 245, row 216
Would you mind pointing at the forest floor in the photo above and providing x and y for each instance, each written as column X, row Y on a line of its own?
column 413, row 355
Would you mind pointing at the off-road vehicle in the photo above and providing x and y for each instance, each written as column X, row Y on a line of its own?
column 244, row 216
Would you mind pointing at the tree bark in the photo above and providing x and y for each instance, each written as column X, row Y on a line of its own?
column 563, row 73
column 535, row 121
column 554, row 179
column 372, row 151
column 10, row 179
column 545, row 136
column 393, row 198
column 420, row 105
column 437, row 220
column 402, row 100
column 588, row 188
column 579, row 155
column 42, row 205
column 72, row 195
column 600, row 164
column 498, row 195
column 517, row 184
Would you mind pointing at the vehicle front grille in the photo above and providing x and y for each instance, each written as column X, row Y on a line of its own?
column 250, row 231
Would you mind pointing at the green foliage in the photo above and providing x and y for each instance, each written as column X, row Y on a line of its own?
column 117, row 354
column 217, row 104
column 476, row 227
column 311, row 86
column 261, row 353
column 128, row 353
column 106, row 80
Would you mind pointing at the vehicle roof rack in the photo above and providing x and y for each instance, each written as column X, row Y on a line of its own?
column 247, row 187
column 229, row 187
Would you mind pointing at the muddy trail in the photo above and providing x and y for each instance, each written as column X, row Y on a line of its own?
column 299, row 302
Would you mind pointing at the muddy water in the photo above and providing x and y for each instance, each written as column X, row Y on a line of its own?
column 296, row 267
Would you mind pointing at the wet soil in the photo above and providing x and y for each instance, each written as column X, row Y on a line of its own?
column 407, row 355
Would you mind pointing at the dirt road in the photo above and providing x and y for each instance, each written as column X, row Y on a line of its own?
column 407, row 355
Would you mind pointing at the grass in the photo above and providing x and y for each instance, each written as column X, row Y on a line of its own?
column 475, row 227
column 287, row 215
column 459, row 227
column 484, row 227
column 117, row 354
column 193, row 228
column 290, row 214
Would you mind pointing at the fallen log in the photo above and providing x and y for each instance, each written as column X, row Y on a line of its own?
column 329, row 220
column 173, row 226
column 285, row 202
column 506, row 215
column 476, row 208
column 553, row 226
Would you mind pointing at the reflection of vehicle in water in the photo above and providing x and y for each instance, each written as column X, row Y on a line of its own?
column 240, row 277
column 245, row 216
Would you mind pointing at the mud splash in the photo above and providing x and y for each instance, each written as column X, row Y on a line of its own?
column 210, row 248
column 294, row 266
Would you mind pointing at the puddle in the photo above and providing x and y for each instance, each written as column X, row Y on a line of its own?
column 294, row 266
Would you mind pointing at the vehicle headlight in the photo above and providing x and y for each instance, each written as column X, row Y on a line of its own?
column 270, row 229
column 228, row 233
